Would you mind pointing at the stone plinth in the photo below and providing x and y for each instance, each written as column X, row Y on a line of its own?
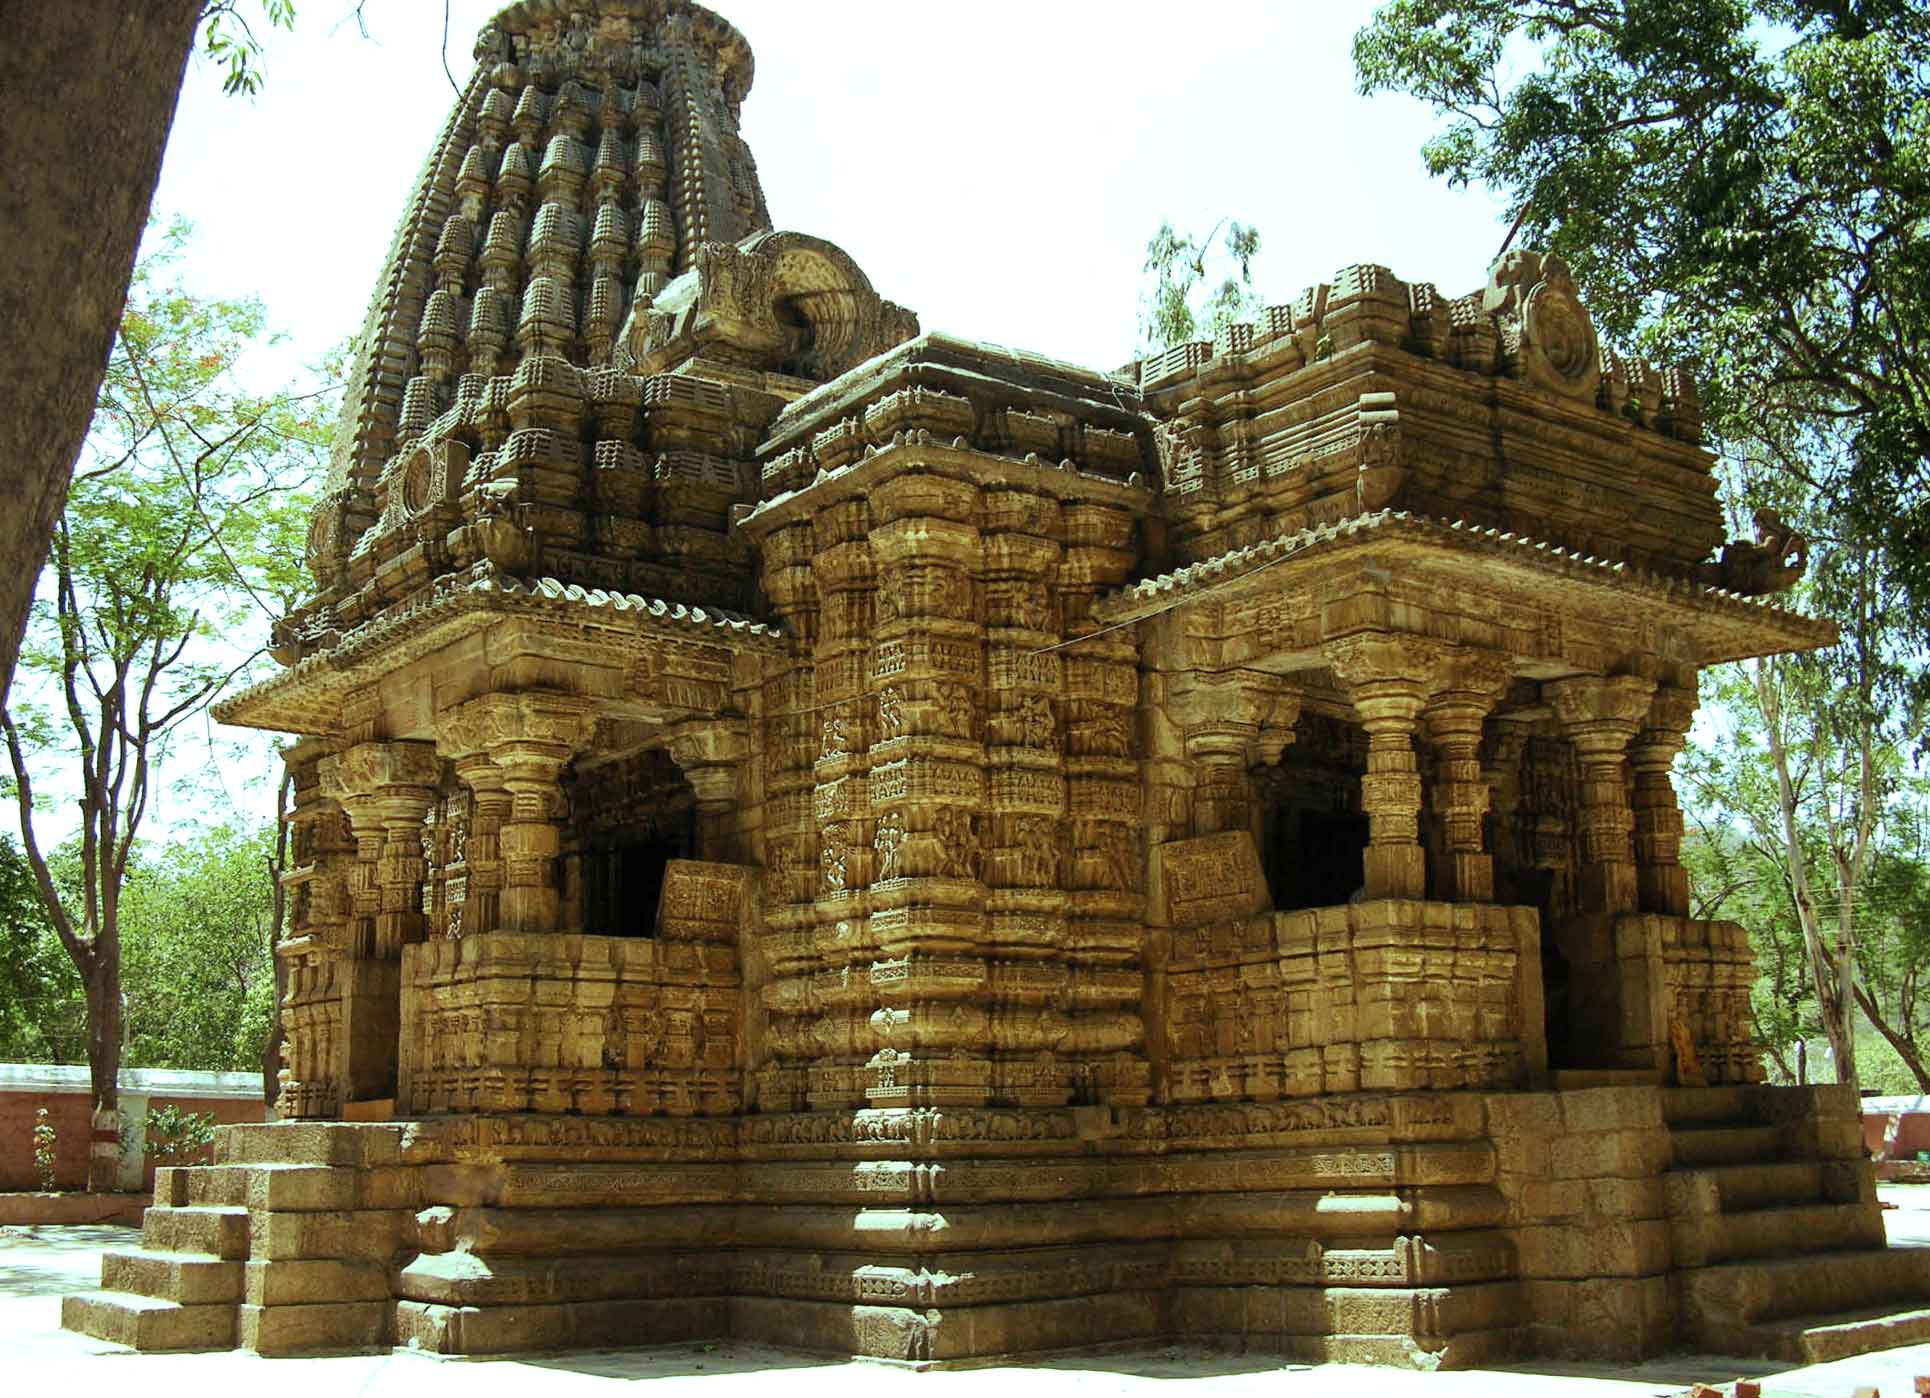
column 1386, row 995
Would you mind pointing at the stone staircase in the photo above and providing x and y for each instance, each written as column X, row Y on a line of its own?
column 1776, row 1233
column 288, row 1253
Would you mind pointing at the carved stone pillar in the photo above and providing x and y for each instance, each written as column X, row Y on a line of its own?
column 531, row 736
column 1662, row 882
column 386, row 789
column 920, row 855
column 788, row 936
column 1600, row 715
column 1030, row 735
column 1507, row 741
column 1469, row 683
column 1105, row 882
column 832, row 1031
column 1390, row 677
column 482, row 911
column 1231, row 722
column 711, row 754
column 321, row 855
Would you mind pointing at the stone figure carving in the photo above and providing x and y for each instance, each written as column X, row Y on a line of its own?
column 888, row 841
column 1773, row 563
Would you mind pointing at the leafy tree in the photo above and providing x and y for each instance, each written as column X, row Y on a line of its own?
column 1735, row 877
column 197, row 926
column 182, row 534
column 82, row 155
column 42, row 1017
column 1742, row 187
column 1183, row 299
column 1816, row 773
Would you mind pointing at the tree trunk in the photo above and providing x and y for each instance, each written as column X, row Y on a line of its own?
column 92, row 87
column 1905, row 1046
column 104, row 1068
column 1838, row 1015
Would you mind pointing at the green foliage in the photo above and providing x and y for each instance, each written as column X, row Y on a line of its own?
column 198, row 952
column 228, row 39
column 1743, row 188
column 181, row 542
column 1197, row 287
column 42, row 1016
column 174, row 1135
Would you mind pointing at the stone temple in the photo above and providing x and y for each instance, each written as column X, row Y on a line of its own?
column 817, row 832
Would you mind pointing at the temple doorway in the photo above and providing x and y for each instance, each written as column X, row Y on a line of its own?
column 1313, row 831
column 628, row 820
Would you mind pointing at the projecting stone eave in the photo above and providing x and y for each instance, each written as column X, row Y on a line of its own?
column 308, row 697
column 1724, row 625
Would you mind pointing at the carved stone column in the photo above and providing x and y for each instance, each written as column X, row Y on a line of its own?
column 1600, row 715
column 788, row 935
column 1662, row 882
column 321, row 855
column 832, row 1029
column 1105, row 881
column 1507, row 740
column 920, row 855
column 529, row 737
column 386, row 789
column 1231, row 722
column 1390, row 677
column 1469, row 682
column 482, row 910
column 711, row 754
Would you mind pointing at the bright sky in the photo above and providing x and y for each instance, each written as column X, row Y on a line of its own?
column 998, row 167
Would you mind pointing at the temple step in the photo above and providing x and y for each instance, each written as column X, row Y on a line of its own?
column 314, row 1328
column 192, row 1279
column 1705, row 1106
column 1726, row 1298
column 148, row 1322
column 1767, row 1184
column 1729, row 1144
column 1792, row 1230
column 1817, row 1339
column 214, row 1230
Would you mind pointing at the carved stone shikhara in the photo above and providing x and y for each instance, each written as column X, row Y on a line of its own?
column 810, row 831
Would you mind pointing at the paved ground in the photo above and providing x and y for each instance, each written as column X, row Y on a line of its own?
column 39, row 1265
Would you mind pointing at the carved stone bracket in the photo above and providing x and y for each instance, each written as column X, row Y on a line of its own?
column 711, row 753
column 386, row 789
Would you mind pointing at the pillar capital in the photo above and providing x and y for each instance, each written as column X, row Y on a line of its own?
column 528, row 737
column 1381, row 664
column 1230, row 720
column 369, row 769
column 1600, row 712
column 536, row 721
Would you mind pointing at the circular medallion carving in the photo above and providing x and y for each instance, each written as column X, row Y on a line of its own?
column 415, row 484
column 1558, row 343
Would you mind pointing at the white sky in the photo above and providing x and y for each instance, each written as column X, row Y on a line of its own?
column 997, row 166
